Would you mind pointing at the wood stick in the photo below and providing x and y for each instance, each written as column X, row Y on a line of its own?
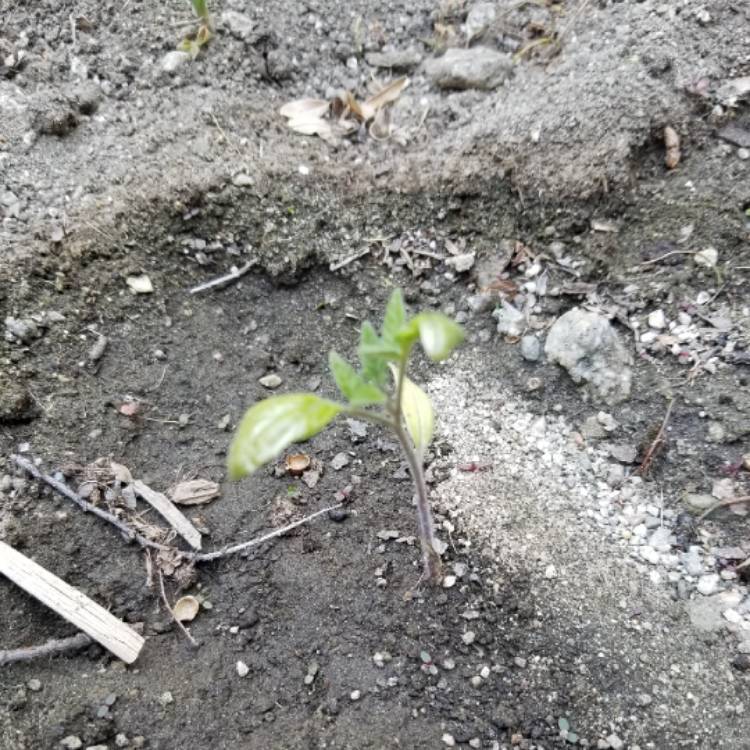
column 51, row 648
column 71, row 604
column 168, row 510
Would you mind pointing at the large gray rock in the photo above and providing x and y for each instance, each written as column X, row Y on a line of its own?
column 475, row 68
column 588, row 347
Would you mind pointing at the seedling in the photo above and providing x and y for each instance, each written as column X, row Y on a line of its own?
column 272, row 425
column 192, row 44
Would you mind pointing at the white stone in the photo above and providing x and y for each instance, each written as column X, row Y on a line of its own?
column 708, row 584
column 657, row 320
column 270, row 381
column 732, row 615
column 242, row 669
column 449, row 740
column 649, row 554
column 708, row 257
column 174, row 60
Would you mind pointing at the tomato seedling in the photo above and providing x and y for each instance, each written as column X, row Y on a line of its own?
column 272, row 425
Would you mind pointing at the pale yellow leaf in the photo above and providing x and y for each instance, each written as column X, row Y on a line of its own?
column 301, row 108
column 417, row 410
column 388, row 93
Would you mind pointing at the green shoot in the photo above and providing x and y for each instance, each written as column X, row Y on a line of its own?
column 193, row 43
column 270, row 426
column 201, row 10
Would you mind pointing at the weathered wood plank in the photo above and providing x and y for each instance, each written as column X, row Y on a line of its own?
column 71, row 604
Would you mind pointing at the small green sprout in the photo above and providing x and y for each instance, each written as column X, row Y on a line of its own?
column 272, row 425
column 193, row 43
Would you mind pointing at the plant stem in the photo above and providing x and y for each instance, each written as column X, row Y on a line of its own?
column 433, row 568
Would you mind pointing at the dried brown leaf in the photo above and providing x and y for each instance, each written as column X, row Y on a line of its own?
column 363, row 111
column 194, row 492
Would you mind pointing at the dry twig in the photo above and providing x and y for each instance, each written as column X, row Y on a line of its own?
column 185, row 631
column 724, row 504
column 225, row 279
column 85, row 506
column 131, row 535
column 51, row 648
column 656, row 444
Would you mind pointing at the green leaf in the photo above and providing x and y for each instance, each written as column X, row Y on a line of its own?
column 374, row 367
column 274, row 424
column 395, row 316
column 438, row 334
column 201, row 8
column 356, row 390
column 417, row 410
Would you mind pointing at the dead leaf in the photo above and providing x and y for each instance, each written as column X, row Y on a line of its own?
column 194, row 492
column 380, row 128
column 297, row 463
column 186, row 608
column 506, row 287
column 388, row 94
column 121, row 473
column 672, row 144
column 363, row 111
column 309, row 124
column 301, row 108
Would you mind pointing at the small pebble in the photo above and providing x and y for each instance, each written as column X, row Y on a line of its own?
column 615, row 742
column 449, row 740
column 34, row 685
column 242, row 669
column 271, row 381
column 708, row 584
column 531, row 348
column 355, row 695
column 468, row 637
column 338, row 515
column 166, row 698
column 657, row 319
column 71, row 742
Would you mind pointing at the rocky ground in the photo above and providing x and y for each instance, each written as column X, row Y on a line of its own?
column 570, row 182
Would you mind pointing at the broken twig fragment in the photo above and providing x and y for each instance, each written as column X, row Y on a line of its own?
column 233, row 275
column 656, row 444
